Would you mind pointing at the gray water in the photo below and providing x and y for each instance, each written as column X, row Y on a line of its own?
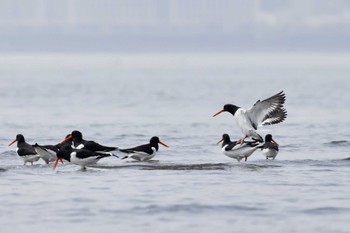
column 123, row 100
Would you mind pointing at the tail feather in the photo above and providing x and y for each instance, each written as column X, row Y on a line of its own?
column 256, row 136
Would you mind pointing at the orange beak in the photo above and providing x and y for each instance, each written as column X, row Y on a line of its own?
column 218, row 112
column 12, row 142
column 274, row 142
column 163, row 144
column 220, row 141
column 67, row 138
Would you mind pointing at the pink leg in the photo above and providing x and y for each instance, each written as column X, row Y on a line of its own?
column 240, row 141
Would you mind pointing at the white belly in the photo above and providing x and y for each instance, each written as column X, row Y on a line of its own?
column 243, row 122
column 83, row 162
column 239, row 151
column 270, row 153
column 142, row 156
column 30, row 158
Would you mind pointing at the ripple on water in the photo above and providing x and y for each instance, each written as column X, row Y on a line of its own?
column 195, row 208
column 338, row 143
column 191, row 167
column 326, row 210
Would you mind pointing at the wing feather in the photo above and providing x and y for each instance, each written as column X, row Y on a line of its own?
column 269, row 111
column 143, row 148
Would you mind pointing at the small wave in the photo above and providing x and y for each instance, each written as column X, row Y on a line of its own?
column 195, row 208
column 190, row 167
column 338, row 143
column 205, row 166
column 8, row 152
column 327, row 210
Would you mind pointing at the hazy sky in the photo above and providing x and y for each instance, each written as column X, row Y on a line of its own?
column 174, row 25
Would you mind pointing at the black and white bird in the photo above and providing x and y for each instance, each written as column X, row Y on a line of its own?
column 80, row 143
column 267, row 112
column 144, row 152
column 48, row 152
column 80, row 157
column 270, row 147
column 237, row 150
column 25, row 150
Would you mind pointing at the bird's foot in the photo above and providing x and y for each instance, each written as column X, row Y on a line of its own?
column 240, row 141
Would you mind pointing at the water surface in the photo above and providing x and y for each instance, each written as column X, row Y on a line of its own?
column 124, row 100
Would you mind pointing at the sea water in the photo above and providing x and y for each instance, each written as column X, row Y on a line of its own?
column 125, row 99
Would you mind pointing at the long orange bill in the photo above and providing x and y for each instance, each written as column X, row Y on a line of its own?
column 12, row 142
column 55, row 164
column 67, row 138
column 61, row 160
column 274, row 141
column 220, row 141
column 218, row 112
column 163, row 144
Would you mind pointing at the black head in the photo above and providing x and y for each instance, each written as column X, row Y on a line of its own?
column 77, row 135
column 20, row 138
column 226, row 138
column 230, row 108
column 155, row 140
column 227, row 108
column 268, row 138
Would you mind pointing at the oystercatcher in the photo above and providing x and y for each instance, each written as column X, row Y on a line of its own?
column 270, row 147
column 81, row 157
column 267, row 112
column 144, row 152
column 25, row 150
column 237, row 150
column 80, row 143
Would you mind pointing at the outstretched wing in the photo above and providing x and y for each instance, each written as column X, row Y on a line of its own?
column 269, row 111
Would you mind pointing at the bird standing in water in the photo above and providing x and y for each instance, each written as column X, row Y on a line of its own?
column 267, row 112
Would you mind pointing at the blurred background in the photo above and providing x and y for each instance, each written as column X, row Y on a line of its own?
column 174, row 25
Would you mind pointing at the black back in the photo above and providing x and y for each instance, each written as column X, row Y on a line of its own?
column 89, row 145
column 23, row 147
column 147, row 148
column 66, row 150
column 227, row 141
